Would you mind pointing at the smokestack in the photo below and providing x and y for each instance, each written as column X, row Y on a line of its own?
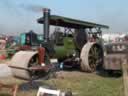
column 46, row 13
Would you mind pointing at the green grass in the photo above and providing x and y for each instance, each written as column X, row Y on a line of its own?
column 82, row 84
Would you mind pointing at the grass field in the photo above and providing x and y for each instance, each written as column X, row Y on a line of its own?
column 82, row 84
column 91, row 84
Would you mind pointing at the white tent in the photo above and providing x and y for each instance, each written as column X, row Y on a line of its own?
column 113, row 37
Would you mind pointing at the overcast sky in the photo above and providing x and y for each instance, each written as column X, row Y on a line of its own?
column 19, row 16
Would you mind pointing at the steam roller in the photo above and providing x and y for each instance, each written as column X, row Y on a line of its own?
column 25, row 65
column 80, row 47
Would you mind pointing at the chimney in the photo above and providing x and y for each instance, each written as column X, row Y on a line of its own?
column 46, row 13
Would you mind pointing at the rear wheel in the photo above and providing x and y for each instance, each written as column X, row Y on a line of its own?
column 91, row 57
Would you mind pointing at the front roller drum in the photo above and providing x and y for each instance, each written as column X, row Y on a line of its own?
column 91, row 57
column 20, row 63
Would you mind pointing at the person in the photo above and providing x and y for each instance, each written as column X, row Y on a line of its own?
column 27, row 40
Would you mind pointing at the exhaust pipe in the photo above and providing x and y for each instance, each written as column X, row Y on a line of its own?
column 46, row 13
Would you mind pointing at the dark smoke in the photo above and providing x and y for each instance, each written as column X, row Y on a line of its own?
column 11, row 5
column 32, row 8
column 17, row 12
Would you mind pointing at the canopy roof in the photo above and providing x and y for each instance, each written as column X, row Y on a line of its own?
column 69, row 22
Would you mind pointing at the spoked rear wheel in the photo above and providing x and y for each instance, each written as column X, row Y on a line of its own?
column 91, row 57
